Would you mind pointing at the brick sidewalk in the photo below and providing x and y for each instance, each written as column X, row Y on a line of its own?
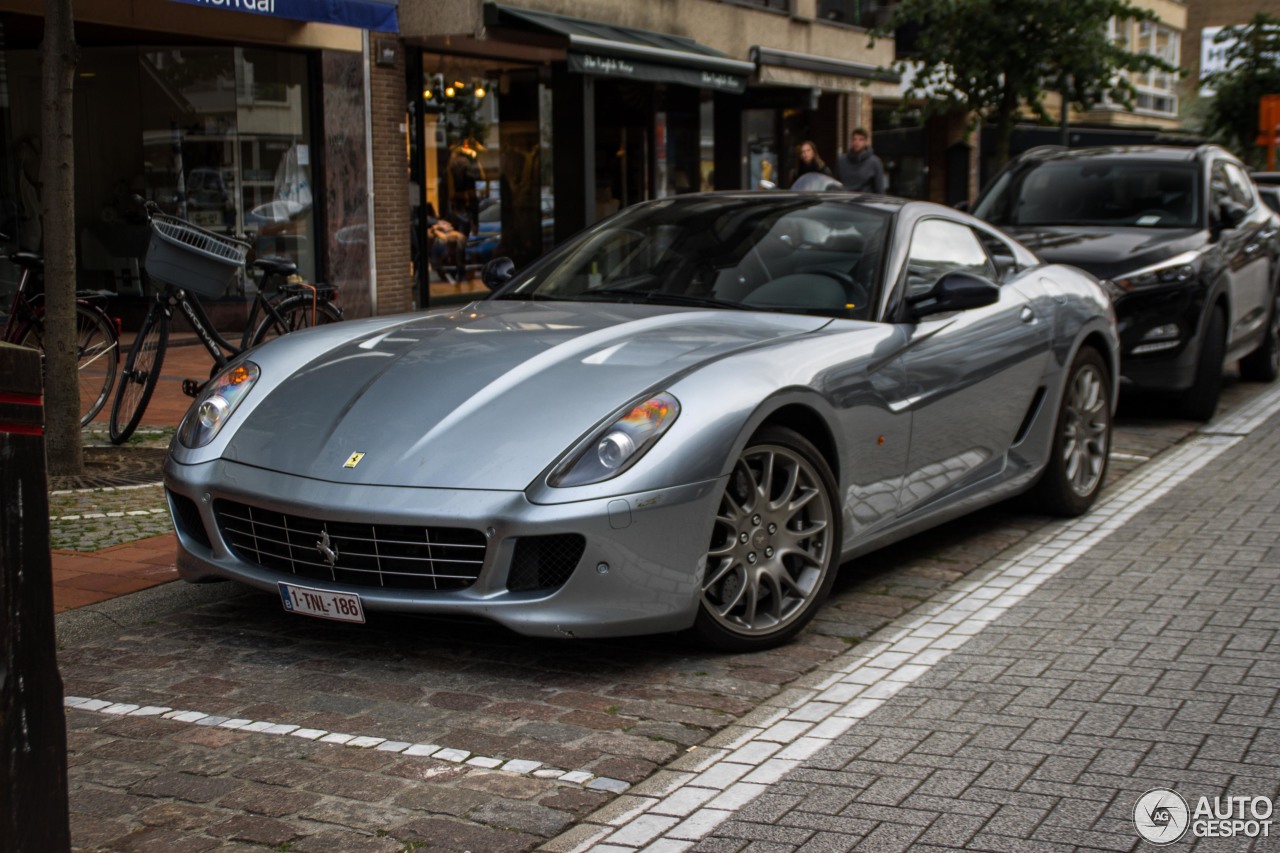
column 1151, row 661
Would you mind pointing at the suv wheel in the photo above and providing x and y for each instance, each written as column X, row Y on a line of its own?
column 1200, row 401
column 1263, row 364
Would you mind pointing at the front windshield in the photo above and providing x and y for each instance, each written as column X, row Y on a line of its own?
column 1095, row 192
column 798, row 255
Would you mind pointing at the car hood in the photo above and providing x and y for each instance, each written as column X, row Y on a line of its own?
column 1108, row 252
column 486, row 396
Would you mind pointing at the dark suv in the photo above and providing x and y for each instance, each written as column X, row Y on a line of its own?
column 1191, row 254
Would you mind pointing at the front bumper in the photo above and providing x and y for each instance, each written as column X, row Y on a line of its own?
column 639, row 572
column 1171, row 369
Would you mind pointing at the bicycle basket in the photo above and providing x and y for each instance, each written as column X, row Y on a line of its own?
column 190, row 257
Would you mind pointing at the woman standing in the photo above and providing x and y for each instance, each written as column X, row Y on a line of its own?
column 810, row 161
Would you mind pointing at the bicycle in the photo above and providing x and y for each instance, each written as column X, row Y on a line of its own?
column 190, row 261
column 97, row 335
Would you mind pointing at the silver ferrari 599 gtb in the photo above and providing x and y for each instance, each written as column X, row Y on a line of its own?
column 687, row 417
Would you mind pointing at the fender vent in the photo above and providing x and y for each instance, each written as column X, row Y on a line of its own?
column 1034, row 409
column 544, row 562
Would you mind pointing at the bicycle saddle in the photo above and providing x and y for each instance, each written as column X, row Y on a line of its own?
column 27, row 260
column 276, row 266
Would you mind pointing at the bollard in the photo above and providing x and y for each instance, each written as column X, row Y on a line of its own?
column 33, row 770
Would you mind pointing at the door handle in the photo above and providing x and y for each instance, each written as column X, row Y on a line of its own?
column 1251, row 248
column 1028, row 316
column 1268, row 234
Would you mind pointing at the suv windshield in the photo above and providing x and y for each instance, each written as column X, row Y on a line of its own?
column 1095, row 192
column 762, row 254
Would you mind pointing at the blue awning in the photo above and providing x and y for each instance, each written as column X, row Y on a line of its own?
column 377, row 15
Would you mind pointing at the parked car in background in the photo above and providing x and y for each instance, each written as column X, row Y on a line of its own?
column 1191, row 252
column 688, row 416
column 1268, row 184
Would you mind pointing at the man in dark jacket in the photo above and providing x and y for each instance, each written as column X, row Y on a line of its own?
column 860, row 169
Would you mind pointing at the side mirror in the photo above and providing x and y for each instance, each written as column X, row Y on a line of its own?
column 1231, row 213
column 497, row 272
column 955, row 291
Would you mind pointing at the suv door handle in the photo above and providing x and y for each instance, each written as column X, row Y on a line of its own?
column 1028, row 316
column 1268, row 234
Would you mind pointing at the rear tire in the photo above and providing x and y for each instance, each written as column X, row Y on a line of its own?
column 295, row 313
column 1081, row 440
column 1263, row 364
column 140, row 375
column 98, row 353
column 775, row 545
column 1200, row 401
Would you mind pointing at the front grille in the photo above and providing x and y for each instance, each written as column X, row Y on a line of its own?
column 544, row 562
column 378, row 555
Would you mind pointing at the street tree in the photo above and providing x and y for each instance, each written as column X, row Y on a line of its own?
column 1252, row 70
column 62, row 384
column 993, row 59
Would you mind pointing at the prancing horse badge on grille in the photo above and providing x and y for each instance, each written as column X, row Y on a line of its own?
column 328, row 551
column 353, row 460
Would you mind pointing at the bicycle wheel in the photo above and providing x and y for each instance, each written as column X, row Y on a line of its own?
column 141, row 373
column 295, row 313
column 97, row 350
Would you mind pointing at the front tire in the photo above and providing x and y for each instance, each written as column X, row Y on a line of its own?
column 1263, row 364
column 141, row 373
column 1081, row 440
column 1200, row 401
column 775, row 545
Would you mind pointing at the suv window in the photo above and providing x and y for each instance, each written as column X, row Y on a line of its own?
column 939, row 247
column 1241, row 185
column 1095, row 191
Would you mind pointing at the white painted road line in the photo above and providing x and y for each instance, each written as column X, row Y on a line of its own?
column 459, row 756
column 710, row 784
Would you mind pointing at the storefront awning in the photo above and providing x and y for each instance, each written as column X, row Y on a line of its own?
column 608, row 50
column 377, row 15
column 822, row 65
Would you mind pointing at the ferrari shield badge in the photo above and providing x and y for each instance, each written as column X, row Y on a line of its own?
column 353, row 460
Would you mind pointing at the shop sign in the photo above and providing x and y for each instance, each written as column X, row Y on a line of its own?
column 378, row 15
column 609, row 66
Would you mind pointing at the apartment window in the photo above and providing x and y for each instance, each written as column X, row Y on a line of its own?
column 775, row 5
column 1157, row 91
column 858, row 13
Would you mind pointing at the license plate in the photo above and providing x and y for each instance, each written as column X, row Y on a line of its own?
column 326, row 604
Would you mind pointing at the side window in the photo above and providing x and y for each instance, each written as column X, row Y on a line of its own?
column 1219, row 186
column 1241, row 185
column 939, row 247
column 1001, row 254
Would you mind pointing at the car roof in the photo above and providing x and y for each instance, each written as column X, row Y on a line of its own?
column 1166, row 153
column 889, row 204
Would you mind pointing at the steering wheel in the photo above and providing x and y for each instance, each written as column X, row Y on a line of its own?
column 856, row 293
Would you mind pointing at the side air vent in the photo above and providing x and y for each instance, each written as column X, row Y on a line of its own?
column 186, row 517
column 544, row 562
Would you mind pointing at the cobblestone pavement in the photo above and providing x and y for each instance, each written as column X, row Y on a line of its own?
column 213, row 721
column 1030, row 707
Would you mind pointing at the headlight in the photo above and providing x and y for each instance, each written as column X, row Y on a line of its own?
column 618, row 446
column 216, row 403
column 1177, row 270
